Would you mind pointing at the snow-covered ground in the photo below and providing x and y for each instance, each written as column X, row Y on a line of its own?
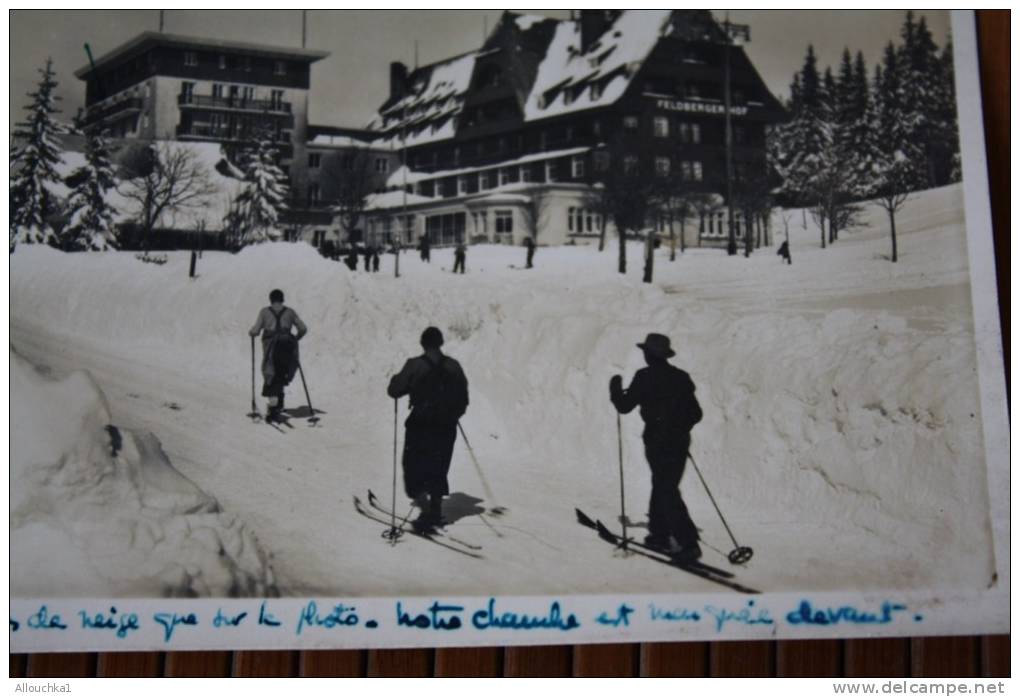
column 841, row 433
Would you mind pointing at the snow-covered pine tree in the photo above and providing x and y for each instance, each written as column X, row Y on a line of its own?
column 34, row 157
column 948, row 133
column 264, row 195
column 921, row 81
column 893, row 155
column 91, row 224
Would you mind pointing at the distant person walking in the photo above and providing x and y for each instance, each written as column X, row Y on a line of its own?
column 669, row 409
column 367, row 252
column 530, row 244
column 279, row 350
column 439, row 397
column 425, row 248
column 352, row 258
column 375, row 259
column 459, row 255
column 784, row 252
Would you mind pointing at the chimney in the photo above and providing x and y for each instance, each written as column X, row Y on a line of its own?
column 398, row 79
column 593, row 25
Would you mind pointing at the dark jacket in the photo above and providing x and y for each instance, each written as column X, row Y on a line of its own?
column 406, row 381
column 666, row 397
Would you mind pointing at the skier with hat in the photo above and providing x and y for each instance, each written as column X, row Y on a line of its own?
column 670, row 410
column 279, row 350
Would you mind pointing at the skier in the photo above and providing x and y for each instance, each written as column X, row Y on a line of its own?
column 530, row 244
column 669, row 409
column 459, row 255
column 439, row 397
column 279, row 350
column 784, row 252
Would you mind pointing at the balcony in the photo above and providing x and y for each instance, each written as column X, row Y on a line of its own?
column 228, row 134
column 202, row 101
column 105, row 111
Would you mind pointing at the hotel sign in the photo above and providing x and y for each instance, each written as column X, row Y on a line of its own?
column 700, row 107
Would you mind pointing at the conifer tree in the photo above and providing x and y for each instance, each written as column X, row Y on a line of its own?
column 258, row 206
column 34, row 158
column 91, row 224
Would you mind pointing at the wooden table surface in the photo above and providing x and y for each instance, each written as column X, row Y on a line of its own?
column 968, row 656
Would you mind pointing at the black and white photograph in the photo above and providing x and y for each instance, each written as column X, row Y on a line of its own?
column 496, row 305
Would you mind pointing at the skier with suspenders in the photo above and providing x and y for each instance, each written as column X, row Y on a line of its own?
column 279, row 350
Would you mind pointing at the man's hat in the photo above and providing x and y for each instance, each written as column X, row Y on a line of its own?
column 658, row 345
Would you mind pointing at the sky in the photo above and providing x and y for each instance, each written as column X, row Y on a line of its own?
column 348, row 86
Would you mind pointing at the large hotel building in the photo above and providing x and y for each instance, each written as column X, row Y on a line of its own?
column 493, row 145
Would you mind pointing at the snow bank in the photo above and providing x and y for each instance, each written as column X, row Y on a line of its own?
column 841, row 432
column 99, row 511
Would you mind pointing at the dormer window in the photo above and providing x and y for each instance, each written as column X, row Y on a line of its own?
column 190, row 59
column 279, row 68
column 596, row 91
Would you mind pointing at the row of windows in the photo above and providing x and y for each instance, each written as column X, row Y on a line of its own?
column 690, row 170
column 583, row 220
column 233, row 62
column 239, row 93
column 381, row 165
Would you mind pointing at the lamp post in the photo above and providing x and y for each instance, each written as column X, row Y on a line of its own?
column 730, row 31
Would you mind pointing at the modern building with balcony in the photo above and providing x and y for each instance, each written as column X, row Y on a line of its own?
column 169, row 87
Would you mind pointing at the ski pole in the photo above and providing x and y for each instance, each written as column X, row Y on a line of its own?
column 393, row 506
column 496, row 510
column 739, row 554
column 312, row 419
column 254, row 413
column 623, row 509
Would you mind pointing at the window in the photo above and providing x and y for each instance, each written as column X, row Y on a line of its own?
column 596, row 128
column 568, row 96
column 660, row 127
column 485, row 180
column 190, row 58
column 276, row 99
column 217, row 91
column 526, row 174
column 314, row 160
column 570, row 219
column 577, row 166
column 686, row 172
column 630, row 163
column 601, row 161
column 248, row 93
column 630, row 123
column 693, row 91
column 382, row 165
column 462, row 185
column 217, row 121
column 698, row 175
column 504, row 222
column 504, row 176
column 596, row 91
column 552, row 171
column 578, row 219
column 543, row 139
column 587, row 221
column 247, row 64
column 662, row 166
column 570, row 133
column 223, row 62
column 279, row 68
column 456, row 156
column 695, row 133
column 187, row 92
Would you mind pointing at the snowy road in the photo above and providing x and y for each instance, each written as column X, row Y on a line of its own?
column 839, row 400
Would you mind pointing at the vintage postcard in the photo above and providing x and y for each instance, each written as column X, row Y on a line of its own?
column 369, row 328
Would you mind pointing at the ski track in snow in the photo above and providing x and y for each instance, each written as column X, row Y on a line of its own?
column 842, row 471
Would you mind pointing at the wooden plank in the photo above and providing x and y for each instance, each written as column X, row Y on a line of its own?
column 995, row 656
column 333, row 664
column 19, row 665
column 876, row 658
column 945, row 657
column 607, row 660
column 538, row 661
column 198, row 664
column 674, row 660
column 742, row 659
column 993, row 28
column 265, row 664
column 140, row 664
column 481, row 662
column 809, row 659
column 61, row 665
column 400, row 663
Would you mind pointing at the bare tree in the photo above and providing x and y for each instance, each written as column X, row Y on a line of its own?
column 532, row 213
column 167, row 179
column 352, row 179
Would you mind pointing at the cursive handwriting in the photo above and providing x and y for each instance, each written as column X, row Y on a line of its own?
column 122, row 624
column 678, row 614
column 748, row 615
column 488, row 617
column 42, row 620
column 806, row 614
column 341, row 616
column 622, row 614
column 222, row 620
column 435, row 617
column 171, row 620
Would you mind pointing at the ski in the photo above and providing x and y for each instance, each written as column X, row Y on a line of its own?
column 709, row 573
column 373, row 501
column 360, row 508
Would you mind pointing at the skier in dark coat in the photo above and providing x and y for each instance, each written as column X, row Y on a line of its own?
column 279, row 350
column 439, row 397
column 530, row 244
column 669, row 409
column 459, row 255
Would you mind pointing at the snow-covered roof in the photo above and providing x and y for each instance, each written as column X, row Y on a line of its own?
column 525, row 22
column 565, row 75
column 397, row 177
column 394, row 199
column 339, row 141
